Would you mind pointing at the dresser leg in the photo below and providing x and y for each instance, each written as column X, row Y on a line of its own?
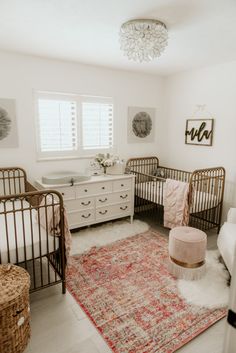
column 131, row 219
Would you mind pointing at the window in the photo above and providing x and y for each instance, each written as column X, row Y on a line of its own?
column 73, row 126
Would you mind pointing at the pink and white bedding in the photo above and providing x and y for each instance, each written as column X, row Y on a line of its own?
column 36, row 243
column 154, row 191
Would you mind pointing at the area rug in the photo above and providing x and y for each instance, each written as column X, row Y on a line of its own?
column 104, row 234
column 129, row 295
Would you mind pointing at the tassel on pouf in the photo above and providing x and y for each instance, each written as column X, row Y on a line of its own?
column 186, row 273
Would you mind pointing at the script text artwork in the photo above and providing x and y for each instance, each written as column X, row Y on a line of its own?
column 199, row 132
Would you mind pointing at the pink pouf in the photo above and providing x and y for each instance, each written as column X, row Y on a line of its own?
column 187, row 249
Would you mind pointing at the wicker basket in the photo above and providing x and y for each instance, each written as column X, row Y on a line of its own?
column 14, row 309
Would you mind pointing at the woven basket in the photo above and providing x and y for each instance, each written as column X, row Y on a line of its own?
column 14, row 309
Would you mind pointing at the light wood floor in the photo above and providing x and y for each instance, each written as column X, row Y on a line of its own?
column 60, row 326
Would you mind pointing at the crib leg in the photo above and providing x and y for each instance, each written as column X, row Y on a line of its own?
column 63, row 287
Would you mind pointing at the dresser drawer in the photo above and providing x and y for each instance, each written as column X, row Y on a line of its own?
column 80, row 204
column 119, row 185
column 82, row 217
column 93, row 189
column 109, row 199
column 68, row 193
column 112, row 211
column 124, row 208
column 123, row 196
column 103, row 200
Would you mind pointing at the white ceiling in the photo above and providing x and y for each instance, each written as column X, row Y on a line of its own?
column 201, row 32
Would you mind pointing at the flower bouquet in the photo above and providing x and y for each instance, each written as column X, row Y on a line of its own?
column 105, row 160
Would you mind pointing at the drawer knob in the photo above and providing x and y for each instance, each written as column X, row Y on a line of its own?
column 86, row 203
column 124, row 196
column 100, row 200
column 121, row 184
column 103, row 212
column 88, row 215
column 63, row 193
column 85, row 190
column 103, row 187
column 123, row 208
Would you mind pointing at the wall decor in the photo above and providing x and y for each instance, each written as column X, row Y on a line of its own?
column 199, row 132
column 8, row 126
column 141, row 123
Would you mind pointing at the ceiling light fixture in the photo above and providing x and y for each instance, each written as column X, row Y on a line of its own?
column 143, row 39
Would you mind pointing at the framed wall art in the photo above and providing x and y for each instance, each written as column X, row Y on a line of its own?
column 8, row 126
column 199, row 132
column 141, row 122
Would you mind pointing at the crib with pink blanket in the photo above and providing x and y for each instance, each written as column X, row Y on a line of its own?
column 206, row 191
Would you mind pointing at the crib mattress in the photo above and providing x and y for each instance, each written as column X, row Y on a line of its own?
column 154, row 191
column 36, row 243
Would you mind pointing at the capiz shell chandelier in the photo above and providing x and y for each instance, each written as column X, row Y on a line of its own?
column 143, row 39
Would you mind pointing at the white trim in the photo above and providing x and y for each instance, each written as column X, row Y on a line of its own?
column 45, row 159
column 72, row 94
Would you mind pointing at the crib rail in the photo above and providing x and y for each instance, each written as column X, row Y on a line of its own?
column 207, row 187
column 12, row 180
column 32, row 234
column 146, row 165
column 176, row 174
column 149, row 191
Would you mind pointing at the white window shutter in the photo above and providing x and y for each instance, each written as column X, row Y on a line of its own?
column 57, row 125
column 97, row 125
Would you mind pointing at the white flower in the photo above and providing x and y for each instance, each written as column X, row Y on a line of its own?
column 105, row 160
column 108, row 162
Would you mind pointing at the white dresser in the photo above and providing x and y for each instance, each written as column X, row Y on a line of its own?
column 102, row 198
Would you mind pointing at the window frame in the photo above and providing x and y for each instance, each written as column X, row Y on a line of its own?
column 80, row 152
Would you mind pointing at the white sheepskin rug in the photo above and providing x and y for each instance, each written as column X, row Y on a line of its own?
column 212, row 290
column 104, row 234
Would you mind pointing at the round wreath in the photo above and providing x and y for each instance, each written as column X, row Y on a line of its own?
column 5, row 124
column 142, row 124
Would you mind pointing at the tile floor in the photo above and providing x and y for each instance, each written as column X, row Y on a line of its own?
column 60, row 326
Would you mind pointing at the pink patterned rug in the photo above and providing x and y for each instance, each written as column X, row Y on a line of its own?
column 128, row 294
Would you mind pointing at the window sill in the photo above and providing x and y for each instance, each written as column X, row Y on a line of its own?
column 48, row 159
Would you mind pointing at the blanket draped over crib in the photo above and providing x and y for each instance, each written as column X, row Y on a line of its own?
column 176, row 203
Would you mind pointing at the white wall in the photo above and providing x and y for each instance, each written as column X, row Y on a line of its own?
column 20, row 75
column 216, row 87
column 175, row 99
